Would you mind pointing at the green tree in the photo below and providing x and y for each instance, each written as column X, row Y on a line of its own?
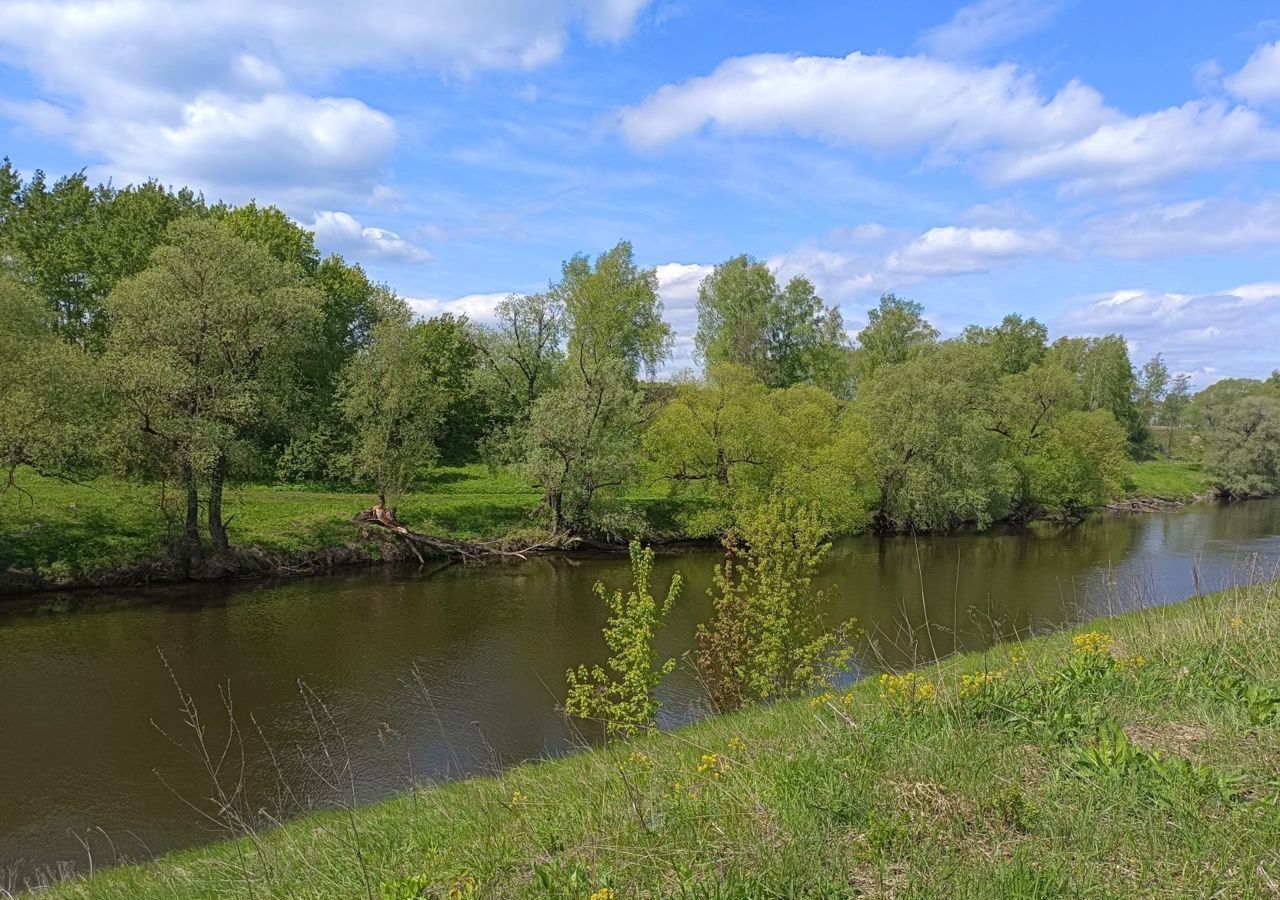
column 785, row 336
column 612, row 314
column 394, row 400
column 1153, row 385
column 896, row 331
column 767, row 637
column 1080, row 462
column 205, row 350
column 1016, row 343
column 581, row 440
column 522, row 349
column 1173, row 408
column 624, row 697
column 1240, row 421
column 1107, row 380
column 937, row 462
column 51, row 404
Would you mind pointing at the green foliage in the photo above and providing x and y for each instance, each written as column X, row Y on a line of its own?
column 394, row 400
column 612, row 314
column 1080, row 463
column 784, row 336
column 1107, row 381
column 51, row 403
column 896, row 331
column 1240, row 420
column 205, row 352
column 767, row 638
column 937, row 464
column 1016, row 344
column 580, row 442
column 624, row 697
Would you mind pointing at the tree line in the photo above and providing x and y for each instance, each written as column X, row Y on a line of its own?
column 150, row 334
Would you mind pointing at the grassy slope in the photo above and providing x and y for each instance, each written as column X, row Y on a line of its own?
column 990, row 795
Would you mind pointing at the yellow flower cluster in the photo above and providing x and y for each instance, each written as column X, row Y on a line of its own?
column 640, row 759
column 737, row 744
column 1091, row 643
column 842, row 700
column 713, row 765
column 517, row 798
column 978, row 682
column 1131, row 662
column 605, row 893
column 1017, row 658
column 1236, row 622
column 906, row 691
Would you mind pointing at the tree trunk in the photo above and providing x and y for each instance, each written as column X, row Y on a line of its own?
column 554, row 502
column 194, row 550
column 217, row 528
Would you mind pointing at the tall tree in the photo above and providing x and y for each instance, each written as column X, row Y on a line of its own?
column 206, row 348
column 522, row 349
column 51, row 406
column 394, row 399
column 1016, row 343
column 613, row 314
column 785, row 336
column 896, row 331
column 1174, row 407
column 1153, row 385
column 1106, row 378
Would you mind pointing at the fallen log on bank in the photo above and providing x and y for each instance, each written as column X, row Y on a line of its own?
column 470, row 551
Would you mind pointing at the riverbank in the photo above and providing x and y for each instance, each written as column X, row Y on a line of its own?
column 57, row 535
column 1133, row 756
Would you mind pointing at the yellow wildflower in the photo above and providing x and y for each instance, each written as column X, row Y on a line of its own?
column 1091, row 643
column 1236, row 622
column 737, row 744
column 516, row 798
column 1017, row 658
column 978, row 682
column 605, row 893
column 1131, row 662
column 906, row 691
column 713, row 764
column 639, row 759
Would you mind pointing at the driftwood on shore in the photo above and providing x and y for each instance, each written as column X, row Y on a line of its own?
column 470, row 551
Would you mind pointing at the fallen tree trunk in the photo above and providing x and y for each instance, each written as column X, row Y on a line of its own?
column 467, row 551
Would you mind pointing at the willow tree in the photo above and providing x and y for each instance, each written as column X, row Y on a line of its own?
column 205, row 352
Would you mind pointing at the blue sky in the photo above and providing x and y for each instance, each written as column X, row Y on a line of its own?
column 1102, row 166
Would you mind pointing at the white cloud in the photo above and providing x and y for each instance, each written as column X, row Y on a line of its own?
column 989, row 23
column 341, row 232
column 1215, row 334
column 1259, row 80
column 1214, row 225
column 212, row 94
column 951, row 250
column 878, row 101
column 1148, row 148
column 476, row 307
column 993, row 117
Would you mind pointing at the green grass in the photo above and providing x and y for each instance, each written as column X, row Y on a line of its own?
column 60, row 527
column 1169, row 479
column 1070, row 774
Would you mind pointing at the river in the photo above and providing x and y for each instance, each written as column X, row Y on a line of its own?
column 460, row 670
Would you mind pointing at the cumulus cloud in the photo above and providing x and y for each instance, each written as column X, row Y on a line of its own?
column 951, row 250
column 996, row 117
column 212, row 94
column 341, row 232
column 1259, row 80
column 989, row 23
column 1215, row 334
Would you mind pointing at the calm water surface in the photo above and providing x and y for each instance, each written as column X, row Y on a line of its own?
column 441, row 673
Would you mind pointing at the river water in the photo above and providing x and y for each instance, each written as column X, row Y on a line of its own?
column 460, row 670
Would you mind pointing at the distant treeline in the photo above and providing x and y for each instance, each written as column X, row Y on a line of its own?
column 147, row 333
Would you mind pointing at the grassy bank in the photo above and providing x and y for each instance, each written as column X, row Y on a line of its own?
column 1134, row 757
column 56, row 533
